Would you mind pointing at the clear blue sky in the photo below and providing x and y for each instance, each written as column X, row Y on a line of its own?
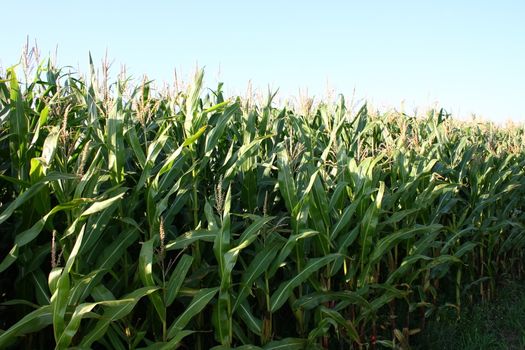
column 469, row 56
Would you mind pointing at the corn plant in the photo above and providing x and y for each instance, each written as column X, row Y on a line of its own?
column 133, row 217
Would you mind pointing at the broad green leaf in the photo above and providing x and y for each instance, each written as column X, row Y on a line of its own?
column 72, row 327
column 214, row 135
column 30, row 234
column 242, row 347
column 30, row 323
column 31, row 192
column 288, row 247
column 114, row 310
column 368, row 230
column 286, row 344
column 286, row 182
column 257, row 267
column 252, row 322
column 341, row 321
column 172, row 344
column 311, row 301
column 282, row 293
column 247, row 237
column 199, row 302
column 188, row 238
column 59, row 299
column 146, row 276
column 386, row 243
column 94, row 208
column 177, row 278
column 344, row 220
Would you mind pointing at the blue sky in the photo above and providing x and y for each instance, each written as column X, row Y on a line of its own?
column 468, row 56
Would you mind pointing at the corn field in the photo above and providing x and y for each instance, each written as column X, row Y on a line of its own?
column 159, row 219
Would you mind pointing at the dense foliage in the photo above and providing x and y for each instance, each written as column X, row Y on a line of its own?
column 134, row 218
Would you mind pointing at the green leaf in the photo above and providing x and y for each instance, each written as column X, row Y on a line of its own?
column 286, row 182
column 368, row 230
column 30, row 323
column 386, row 243
column 114, row 310
column 188, row 238
column 115, row 141
column 242, row 347
column 169, row 161
column 252, row 322
column 340, row 320
column 172, row 344
column 286, row 344
column 257, row 267
column 71, row 329
column 215, row 134
column 221, row 243
column 247, row 237
column 41, row 288
column 288, row 247
column 313, row 300
column 116, row 249
column 191, row 104
column 199, row 302
column 29, row 235
column 177, row 278
column 31, row 192
column 344, row 220
column 59, row 300
column 280, row 296
column 94, row 208
column 146, row 276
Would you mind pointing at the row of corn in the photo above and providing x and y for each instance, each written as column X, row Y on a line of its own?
column 139, row 218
